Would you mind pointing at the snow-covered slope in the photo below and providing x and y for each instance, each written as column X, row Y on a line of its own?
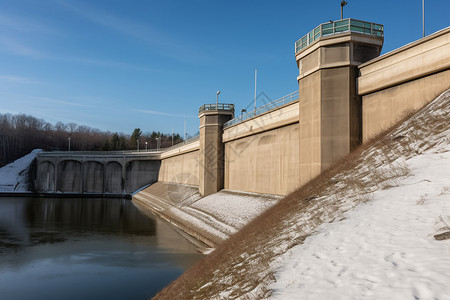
column 14, row 176
column 384, row 249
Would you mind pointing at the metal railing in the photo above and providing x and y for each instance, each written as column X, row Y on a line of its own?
column 102, row 153
column 188, row 141
column 265, row 108
column 124, row 152
column 220, row 106
column 331, row 28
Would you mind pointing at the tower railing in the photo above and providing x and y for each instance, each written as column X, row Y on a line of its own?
column 219, row 106
column 331, row 28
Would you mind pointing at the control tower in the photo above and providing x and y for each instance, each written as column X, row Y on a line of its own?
column 330, row 108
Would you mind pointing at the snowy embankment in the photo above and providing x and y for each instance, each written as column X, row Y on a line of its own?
column 14, row 176
column 384, row 249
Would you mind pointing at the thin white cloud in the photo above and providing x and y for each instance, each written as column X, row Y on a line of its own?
column 63, row 102
column 17, row 79
column 105, row 63
column 161, row 41
column 17, row 48
column 24, row 25
column 160, row 113
column 123, row 26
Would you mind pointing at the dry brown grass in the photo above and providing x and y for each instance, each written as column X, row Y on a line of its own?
column 241, row 266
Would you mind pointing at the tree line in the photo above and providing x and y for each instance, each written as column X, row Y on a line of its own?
column 20, row 134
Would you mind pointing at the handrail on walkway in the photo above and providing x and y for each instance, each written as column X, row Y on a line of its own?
column 188, row 141
column 260, row 110
column 124, row 152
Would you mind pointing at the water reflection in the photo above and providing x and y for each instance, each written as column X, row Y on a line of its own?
column 105, row 246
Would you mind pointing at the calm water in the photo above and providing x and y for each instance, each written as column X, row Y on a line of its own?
column 86, row 249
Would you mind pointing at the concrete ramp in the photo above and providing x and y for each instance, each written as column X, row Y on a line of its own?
column 211, row 219
column 171, row 193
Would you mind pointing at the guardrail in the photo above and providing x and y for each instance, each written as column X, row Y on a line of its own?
column 125, row 152
column 93, row 153
column 260, row 110
column 220, row 106
column 331, row 28
column 188, row 141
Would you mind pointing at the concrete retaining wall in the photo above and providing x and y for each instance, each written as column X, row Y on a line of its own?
column 181, row 165
column 403, row 80
column 262, row 154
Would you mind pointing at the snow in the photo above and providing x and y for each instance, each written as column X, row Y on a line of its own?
column 14, row 176
column 232, row 208
column 383, row 249
column 215, row 216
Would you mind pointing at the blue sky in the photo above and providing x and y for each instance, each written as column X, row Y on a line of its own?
column 119, row 65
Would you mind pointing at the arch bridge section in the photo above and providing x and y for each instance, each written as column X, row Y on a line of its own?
column 96, row 172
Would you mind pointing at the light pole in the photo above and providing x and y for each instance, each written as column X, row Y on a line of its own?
column 343, row 3
column 217, row 100
column 423, row 17
column 146, row 146
column 69, row 143
column 256, row 73
column 157, row 143
column 137, row 145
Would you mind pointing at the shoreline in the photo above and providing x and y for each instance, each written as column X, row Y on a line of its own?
column 203, row 244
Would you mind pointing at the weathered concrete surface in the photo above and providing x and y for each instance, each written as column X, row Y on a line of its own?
column 330, row 114
column 181, row 165
column 140, row 173
column 46, row 175
column 84, row 172
column 338, row 50
column 113, row 177
column 212, row 152
column 261, row 154
column 403, row 80
column 279, row 117
column 266, row 162
column 69, row 177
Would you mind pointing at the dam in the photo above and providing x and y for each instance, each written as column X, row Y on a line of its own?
column 347, row 94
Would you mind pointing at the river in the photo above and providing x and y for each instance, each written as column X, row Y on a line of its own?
column 53, row 248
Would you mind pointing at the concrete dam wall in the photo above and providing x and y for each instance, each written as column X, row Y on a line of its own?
column 403, row 80
column 347, row 94
column 72, row 172
column 261, row 154
column 181, row 165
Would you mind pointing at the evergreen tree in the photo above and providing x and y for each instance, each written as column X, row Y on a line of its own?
column 135, row 136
